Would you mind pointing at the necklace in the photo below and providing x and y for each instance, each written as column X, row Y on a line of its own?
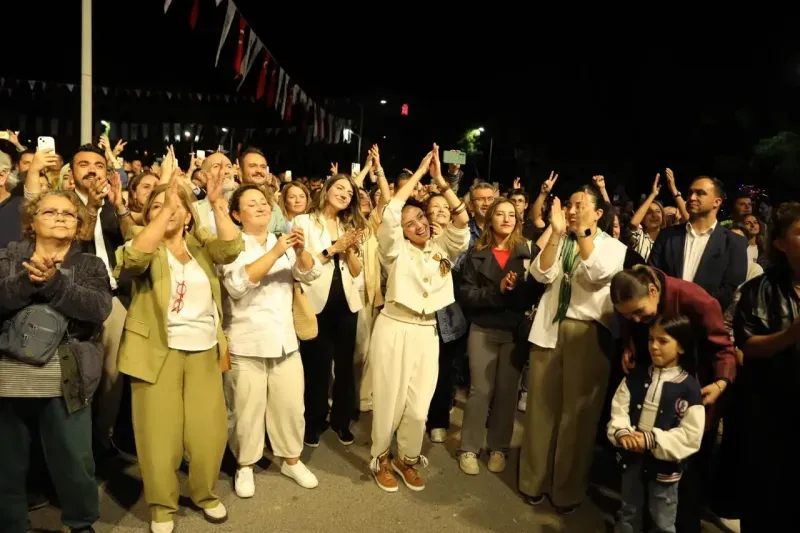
column 180, row 287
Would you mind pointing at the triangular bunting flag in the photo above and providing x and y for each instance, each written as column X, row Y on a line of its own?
column 194, row 14
column 226, row 28
column 167, row 3
column 237, row 61
column 250, row 56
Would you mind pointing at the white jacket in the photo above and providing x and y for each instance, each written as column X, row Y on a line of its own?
column 317, row 240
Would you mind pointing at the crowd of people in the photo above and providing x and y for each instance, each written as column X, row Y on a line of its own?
column 248, row 311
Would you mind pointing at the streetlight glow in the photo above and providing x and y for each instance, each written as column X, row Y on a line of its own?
column 481, row 129
column 347, row 134
column 383, row 102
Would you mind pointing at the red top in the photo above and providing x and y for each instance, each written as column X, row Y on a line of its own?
column 501, row 256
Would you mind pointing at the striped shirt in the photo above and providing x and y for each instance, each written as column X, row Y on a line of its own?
column 21, row 380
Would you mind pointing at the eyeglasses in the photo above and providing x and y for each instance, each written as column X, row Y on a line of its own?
column 180, row 292
column 52, row 214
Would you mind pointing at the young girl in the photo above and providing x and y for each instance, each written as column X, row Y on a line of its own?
column 657, row 418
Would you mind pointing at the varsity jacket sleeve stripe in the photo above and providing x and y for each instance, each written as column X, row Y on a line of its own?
column 679, row 443
column 620, row 423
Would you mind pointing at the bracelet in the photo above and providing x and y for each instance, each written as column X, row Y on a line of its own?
column 446, row 188
column 380, row 172
column 718, row 386
column 677, row 195
column 460, row 208
column 124, row 214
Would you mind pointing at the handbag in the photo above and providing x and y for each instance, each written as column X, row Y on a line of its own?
column 305, row 319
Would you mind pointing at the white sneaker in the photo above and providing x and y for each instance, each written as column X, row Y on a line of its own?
column 162, row 527
column 522, row 404
column 300, row 473
column 438, row 435
column 468, row 462
column 243, row 483
column 217, row 514
column 497, row 462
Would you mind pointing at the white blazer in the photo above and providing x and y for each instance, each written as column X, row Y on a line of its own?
column 317, row 240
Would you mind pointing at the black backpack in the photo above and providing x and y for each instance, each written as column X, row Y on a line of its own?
column 34, row 334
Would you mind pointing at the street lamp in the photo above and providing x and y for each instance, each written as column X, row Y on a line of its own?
column 478, row 131
column 383, row 102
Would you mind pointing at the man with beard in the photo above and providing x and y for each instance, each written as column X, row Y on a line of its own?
column 255, row 171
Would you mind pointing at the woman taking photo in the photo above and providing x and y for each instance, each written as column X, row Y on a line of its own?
column 266, row 376
column 333, row 230
column 496, row 306
column 404, row 351
column 647, row 222
column 569, row 365
column 173, row 345
column 452, row 328
column 54, row 397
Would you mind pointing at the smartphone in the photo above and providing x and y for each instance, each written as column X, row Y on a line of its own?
column 454, row 157
column 4, row 136
column 288, row 228
column 355, row 168
column 200, row 154
column 43, row 143
column 288, row 175
column 108, row 127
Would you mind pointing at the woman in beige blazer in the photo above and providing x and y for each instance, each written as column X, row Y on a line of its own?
column 334, row 231
column 172, row 347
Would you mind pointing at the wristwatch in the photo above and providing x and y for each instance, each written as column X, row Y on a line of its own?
column 326, row 254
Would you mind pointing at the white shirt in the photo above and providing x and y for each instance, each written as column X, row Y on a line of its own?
column 591, row 293
column 257, row 317
column 415, row 280
column 99, row 242
column 693, row 249
column 194, row 327
column 652, row 397
column 752, row 253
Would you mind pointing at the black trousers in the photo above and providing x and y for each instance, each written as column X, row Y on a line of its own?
column 442, row 401
column 335, row 343
column 67, row 444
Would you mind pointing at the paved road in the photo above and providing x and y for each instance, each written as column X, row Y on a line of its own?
column 347, row 499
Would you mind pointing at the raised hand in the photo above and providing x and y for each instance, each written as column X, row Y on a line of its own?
column 558, row 220
column 549, row 183
column 599, row 181
column 214, row 187
column 656, row 186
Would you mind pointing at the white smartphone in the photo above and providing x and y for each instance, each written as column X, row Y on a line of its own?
column 288, row 175
column 200, row 154
column 355, row 168
column 43, row 143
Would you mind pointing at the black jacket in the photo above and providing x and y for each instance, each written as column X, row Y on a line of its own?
column 481, row 298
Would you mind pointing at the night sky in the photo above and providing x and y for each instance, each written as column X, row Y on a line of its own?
column 620, row 97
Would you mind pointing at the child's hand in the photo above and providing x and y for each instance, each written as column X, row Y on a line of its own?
column 641, row 446
column 628, row 442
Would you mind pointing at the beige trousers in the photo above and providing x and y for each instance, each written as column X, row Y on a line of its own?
column 109, row 393
column 404, row 366
column 184, row 409
column 566, row 389
column 366, row 320
column 266, row 395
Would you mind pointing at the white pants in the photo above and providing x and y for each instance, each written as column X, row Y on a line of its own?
column 266, row 394
column 404, row 366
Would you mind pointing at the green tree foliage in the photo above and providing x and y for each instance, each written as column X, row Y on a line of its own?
column 779, row 156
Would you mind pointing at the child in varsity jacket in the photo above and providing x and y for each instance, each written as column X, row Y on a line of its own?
column 657, row 418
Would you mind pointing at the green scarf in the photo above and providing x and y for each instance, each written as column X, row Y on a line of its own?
column 569, row 262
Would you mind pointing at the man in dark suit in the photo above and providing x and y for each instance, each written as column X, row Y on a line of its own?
column 715, row 258
column 703, row 251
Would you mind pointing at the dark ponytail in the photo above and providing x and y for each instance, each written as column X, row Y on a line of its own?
column 633, row 284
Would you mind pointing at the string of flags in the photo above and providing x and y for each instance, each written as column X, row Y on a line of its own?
column 274, row 85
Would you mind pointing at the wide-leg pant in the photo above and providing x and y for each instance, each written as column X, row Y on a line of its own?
column 404, row 364
column 184, row 409
column 267, row 394
column 109, row 394
column 494, row 382
column 565, row 400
